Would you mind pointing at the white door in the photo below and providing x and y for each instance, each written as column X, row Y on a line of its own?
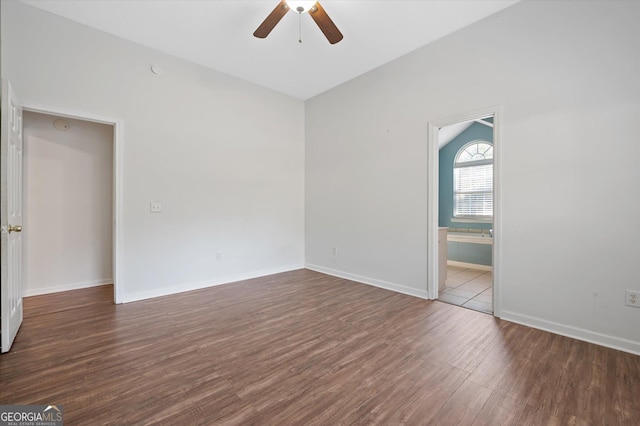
column 11, row 215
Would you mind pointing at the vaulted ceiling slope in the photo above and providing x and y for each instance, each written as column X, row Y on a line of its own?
column 219, row 34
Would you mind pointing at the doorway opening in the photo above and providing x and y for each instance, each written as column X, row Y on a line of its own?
column 463, row 204
column 69, row 204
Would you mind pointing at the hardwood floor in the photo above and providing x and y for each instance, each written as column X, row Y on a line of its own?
column 304, row 348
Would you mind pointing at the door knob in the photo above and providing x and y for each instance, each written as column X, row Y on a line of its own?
column 16, row 228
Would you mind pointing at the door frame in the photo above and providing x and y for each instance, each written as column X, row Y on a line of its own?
column 433, row 192
column 117, row 231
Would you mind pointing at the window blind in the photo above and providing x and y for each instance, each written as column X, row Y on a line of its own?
column 473, row 190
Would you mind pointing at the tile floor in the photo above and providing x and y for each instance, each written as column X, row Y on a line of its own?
column 469, row 288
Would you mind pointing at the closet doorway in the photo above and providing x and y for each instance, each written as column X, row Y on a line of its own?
column 69, row 200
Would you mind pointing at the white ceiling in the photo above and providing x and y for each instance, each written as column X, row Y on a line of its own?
column 449, row 133
column 219, row 34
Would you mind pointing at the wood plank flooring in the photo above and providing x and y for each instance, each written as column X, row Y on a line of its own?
column 303, row 348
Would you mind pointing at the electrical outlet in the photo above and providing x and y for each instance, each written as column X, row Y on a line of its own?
column 632, row 298
column 155, row 207
column 219, row 256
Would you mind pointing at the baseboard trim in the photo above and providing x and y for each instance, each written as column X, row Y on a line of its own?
column 469, row 265
column 398, row 288
column 608, row 341
column 66, row 287
column 228, row 279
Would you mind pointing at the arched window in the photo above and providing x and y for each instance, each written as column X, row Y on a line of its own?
column 473, row 181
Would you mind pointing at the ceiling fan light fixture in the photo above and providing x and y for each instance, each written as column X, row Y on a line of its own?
column 315, row 10
column 301, row 6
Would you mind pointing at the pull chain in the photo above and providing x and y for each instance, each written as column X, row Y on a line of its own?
column 300, row 28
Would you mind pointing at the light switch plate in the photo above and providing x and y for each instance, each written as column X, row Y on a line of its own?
column 156, row 207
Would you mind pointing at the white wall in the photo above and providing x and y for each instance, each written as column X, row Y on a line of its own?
column 225, row 157
column 566, row 75
column 68, row 204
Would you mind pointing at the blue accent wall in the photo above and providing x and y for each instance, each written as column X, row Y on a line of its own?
column 480, row 254
column 447, row 156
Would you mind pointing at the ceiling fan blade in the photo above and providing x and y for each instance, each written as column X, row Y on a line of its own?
column 328, row 28
column 272, row 20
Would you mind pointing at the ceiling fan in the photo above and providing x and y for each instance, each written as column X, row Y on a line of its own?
column 326, row 25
